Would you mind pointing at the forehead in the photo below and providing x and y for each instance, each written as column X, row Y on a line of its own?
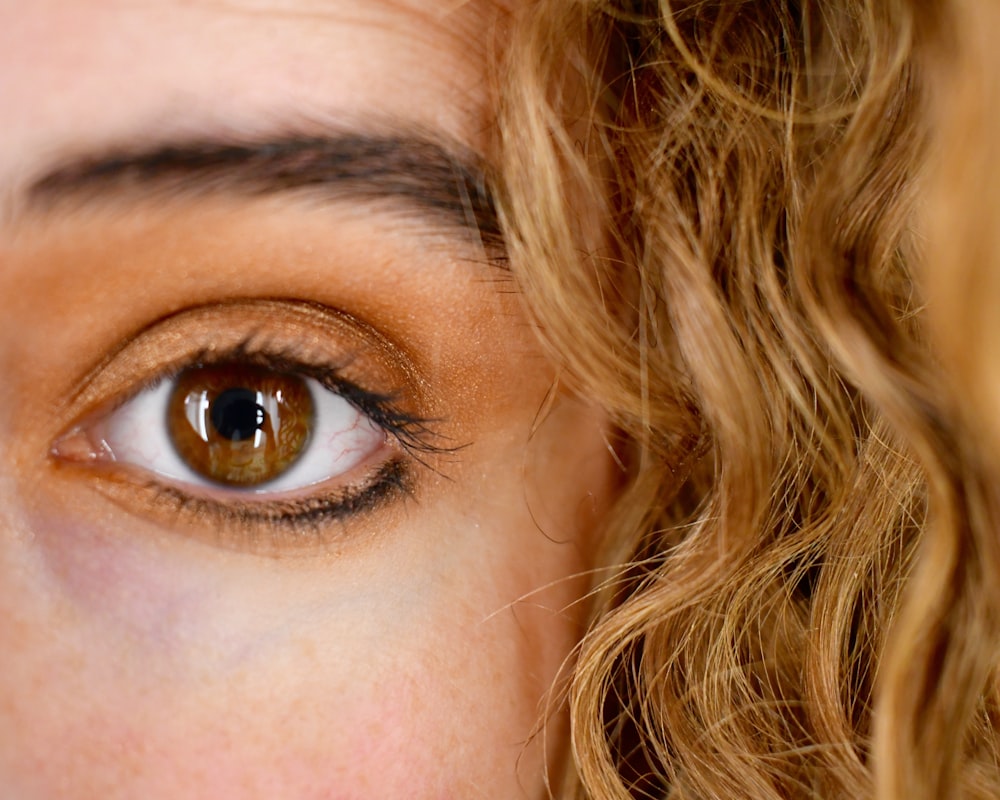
column 83, row 74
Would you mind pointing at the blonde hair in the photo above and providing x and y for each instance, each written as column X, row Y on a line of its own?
column 714, row 210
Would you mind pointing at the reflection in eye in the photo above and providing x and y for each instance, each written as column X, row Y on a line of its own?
column 244, row 427
column 241, row 426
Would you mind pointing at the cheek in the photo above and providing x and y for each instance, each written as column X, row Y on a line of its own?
column 144, row 673
column 315, row 741
column 437, row 721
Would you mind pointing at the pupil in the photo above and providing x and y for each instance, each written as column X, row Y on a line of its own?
column 236, row 415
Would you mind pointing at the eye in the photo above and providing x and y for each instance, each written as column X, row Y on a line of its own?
column 254, row 423
column 244, row 427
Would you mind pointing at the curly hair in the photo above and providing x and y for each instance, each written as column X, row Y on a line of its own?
column 715, row 212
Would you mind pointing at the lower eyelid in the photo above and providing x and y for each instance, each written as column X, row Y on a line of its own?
column 278, row 527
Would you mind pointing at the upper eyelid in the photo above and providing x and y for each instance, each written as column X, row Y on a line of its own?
column 172, row 343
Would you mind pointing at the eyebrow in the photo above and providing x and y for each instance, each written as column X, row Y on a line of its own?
column 445, row 182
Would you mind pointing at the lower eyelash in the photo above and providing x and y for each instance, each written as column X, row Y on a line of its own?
column 298, row 520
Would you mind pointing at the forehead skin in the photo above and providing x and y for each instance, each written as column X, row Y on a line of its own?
column 407, row 658
column 91, row 73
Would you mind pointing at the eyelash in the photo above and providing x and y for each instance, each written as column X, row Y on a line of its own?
column 391, row 481
column 416, row 436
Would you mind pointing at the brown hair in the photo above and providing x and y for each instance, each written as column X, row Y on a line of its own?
column 713, row 211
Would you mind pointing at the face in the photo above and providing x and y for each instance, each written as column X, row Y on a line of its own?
column 291, row 502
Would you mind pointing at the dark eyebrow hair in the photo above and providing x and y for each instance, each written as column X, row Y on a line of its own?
column 447, row 182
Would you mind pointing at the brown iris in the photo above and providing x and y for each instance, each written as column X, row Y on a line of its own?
column 239, row 425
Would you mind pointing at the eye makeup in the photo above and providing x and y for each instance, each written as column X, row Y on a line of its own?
column 347, row 360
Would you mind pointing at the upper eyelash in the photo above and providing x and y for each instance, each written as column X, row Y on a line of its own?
column 416, row 435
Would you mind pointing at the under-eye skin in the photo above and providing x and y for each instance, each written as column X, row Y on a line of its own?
column 250, row 417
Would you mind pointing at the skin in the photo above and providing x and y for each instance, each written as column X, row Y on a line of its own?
column 405, row 651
